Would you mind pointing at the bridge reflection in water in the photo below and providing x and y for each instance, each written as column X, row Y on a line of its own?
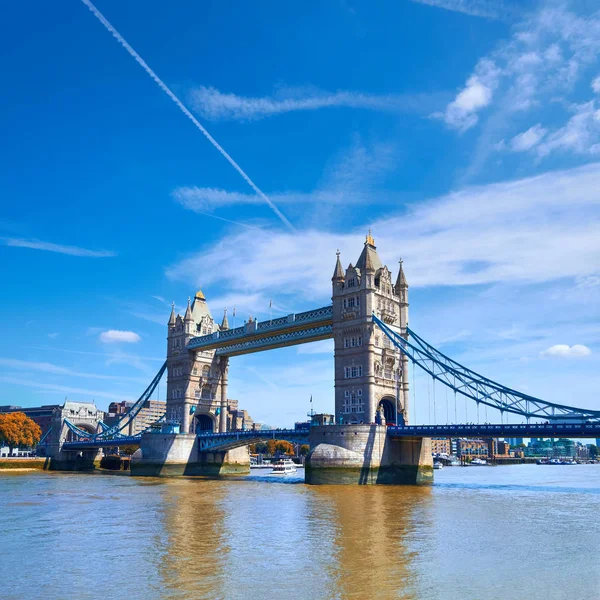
column 244, row 540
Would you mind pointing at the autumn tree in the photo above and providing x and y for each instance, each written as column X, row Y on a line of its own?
column 17, row 429
column 304, row 449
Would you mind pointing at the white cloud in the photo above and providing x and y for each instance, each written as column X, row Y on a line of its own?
column 581, row 133
column 114, row 335
column 564, row 351
column 531, row 230
column 528, row 139
column 53, row 335
column 214, row 105
column 63, row 389
column 461, row 113
column 596, row 84
column 59, row 248
column 351, row 178
column 546, row 55
column 44, row 367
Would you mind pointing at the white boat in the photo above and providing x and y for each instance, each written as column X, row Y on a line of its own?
column 438, row 465
column 478, row 462
column 284, row 467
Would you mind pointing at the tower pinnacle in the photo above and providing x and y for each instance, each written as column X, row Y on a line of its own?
column 172, row 317
column 401, row 279
column 224, row 322
column 338, row 273
column 188, row 312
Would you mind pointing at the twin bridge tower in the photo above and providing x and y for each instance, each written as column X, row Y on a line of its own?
column 371, row 374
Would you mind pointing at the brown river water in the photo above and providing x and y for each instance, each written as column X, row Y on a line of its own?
column 478, row 533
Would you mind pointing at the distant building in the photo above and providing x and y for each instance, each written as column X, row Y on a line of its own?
column 514, row 442
column 239, row 419
column 474, row 448
column 42, row 415
column 441, row 446
column 151, row 412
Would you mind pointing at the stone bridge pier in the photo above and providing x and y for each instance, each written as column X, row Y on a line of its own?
column 177, row 454
column 365, row 454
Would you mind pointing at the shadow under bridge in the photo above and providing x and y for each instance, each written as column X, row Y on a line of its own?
column 222, row 442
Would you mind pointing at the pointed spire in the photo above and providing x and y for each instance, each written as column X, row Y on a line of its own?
column 401, row 279
column 188, row 312
column 172, row 317
column 224, row 322
column 369, row 259
column 338, row 273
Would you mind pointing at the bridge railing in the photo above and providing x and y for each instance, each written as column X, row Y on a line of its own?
column 304, row 318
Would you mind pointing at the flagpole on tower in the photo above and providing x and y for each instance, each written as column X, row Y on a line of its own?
column 234, row 317
column 270, row 310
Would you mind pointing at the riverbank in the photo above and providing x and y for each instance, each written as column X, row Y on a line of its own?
column 23, row 464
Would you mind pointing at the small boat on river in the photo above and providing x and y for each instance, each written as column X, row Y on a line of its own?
column 284, row 467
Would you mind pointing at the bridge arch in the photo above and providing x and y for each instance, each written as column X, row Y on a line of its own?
column 204, row 422
column 388, row 403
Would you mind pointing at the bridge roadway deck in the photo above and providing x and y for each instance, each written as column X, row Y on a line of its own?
column 525, row 430
column 92, row 444
column 299, row 328
column 234, row 439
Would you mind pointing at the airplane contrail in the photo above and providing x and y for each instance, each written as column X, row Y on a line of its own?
column 163, row 86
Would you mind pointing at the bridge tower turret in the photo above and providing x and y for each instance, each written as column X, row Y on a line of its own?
column 368, row 369
column 193, row 378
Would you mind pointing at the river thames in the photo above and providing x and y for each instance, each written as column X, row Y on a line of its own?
column 523, row 531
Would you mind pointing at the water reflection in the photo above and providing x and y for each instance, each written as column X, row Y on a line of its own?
column 475, row 534
column 251, row 539
column 373, row 524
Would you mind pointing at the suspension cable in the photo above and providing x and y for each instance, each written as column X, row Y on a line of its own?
column 429, row 399
column 414, row 394
column 434, row 409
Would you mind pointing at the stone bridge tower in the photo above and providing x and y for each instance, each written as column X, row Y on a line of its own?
column 196, row 380
column 370, row 372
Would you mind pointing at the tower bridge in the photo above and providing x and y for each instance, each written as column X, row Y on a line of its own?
column 372, row 440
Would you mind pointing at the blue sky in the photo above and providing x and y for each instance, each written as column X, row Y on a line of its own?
column 464, row 133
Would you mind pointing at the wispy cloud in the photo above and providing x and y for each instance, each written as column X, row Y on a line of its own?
column 44, row 367
column 59, row 248
column 63, row 389
column 461, row 113
column 565, row 351
column 350, row 178
column 514, row 231
column 214, row 105
column 114, row 335
column 163, row 86
column 532, row 74
column 489, row 9
column 528, row 139
column 580, row 135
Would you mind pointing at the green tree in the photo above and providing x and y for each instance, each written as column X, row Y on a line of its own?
column 129, row 450
column 17, row 429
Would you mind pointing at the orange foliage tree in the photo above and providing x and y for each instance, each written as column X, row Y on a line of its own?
column 281, row 446
column 17, row 429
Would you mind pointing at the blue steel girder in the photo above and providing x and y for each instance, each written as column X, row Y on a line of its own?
column 245, row 339
column 91, row 444
column 113, row 432
column 551, row 430
column 279, row 340
column 476, row 387
column 222, row 442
